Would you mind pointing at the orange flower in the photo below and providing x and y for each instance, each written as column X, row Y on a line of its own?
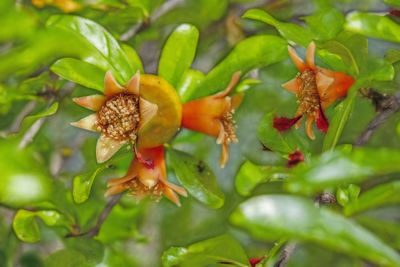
column 213, row 115
column 316, row 89
column 120, row 114
column 147, row 176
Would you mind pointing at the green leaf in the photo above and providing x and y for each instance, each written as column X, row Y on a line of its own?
column 254, row 52
column 392, row 56
column 222, row 249
column 387, row 230
column 26, row 227
column 83, row 185
column 284, row 143
column 66, row 258
column 298, row 218
column 342, row 196
column 373, row 25
column 251, row 175
column 133, row 58
column 109, row 53
column 326, row 23
column 188, row 83
column 178, row 53
column 381, row 195
column 197, row 178
column 93, row 250
column 246, row 84
column 338, row 168
column 289, row 31
column 80, row 72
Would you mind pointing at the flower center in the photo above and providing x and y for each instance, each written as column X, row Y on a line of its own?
column 229, row 127
column 138, row 189
column 119, row 117
column 309, row 97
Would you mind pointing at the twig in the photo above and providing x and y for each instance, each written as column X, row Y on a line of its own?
column 391, row 106
column 21, row 116
column 167, row 6
column 94, row 231
column 285, row 255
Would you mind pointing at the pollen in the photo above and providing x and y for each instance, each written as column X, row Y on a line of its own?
column 308, row 98
column 119, row 117
column 139, row 190
column 229, row 126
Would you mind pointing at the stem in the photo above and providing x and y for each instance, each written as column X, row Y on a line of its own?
column 94, row 231
column 391, row 107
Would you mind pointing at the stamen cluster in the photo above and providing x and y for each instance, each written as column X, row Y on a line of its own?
column 119, row 117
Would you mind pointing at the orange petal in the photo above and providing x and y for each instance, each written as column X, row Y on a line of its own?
column 202, row 115
column 310, row 55
column 235, row 79
column 129, row 176
column 292, row 86
column 133, row 85
column 171, row 195
column 111, row 87
column 224, row 155
column 87, row 123
column 300, row 64
column 298, row 123
column 309, row 130
column 323, row 83
column 106, row 148
column 115, row 190
column 236, row 100
column 180, row 190
column 92, row 102
column 147, row 111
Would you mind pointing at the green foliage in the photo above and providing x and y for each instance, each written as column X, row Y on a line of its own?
column 26, row 227
column 178, row 53
column 83, row 185
column 251, row 53
column 219, row 250
column 325, row 23
column 268, row 217
column 198, row 179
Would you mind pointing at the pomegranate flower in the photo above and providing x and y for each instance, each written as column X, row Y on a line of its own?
column 316, row 89
column 120, row 114
column 213, row 115
column 147, row 176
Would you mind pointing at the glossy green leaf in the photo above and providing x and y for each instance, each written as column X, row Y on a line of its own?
column 109, row 54
column 354, row 191
column 26, row 227
column 133, row 58
column 83, row 185
column 222, row 249
column 338, row 168
column 251, row 175
column 178, row 53
column 342, row 196
column 188, row 84
column 384, row 194
column 326, row 23
column 289, row 31
column 377, row 69
column 284, row 143
column 254, row 52
column 197, row 178
column 246, row 84
column 80, row 72
column 295, row 217
column 373, row 25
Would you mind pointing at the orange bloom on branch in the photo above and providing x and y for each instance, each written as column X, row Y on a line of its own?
column 316, row 89
column 213, row 115
column 120, row 114
column 147, row 176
